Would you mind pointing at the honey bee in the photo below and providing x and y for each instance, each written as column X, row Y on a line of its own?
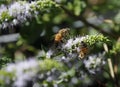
column 61, row 35
column 83, row 50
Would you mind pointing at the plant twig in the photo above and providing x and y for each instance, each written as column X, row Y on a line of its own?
column 111, row 68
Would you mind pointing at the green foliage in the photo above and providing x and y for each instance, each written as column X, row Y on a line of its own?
column 4, row 61
column 69, row 73
column 5, row 75
column 93, row 39
column 5, row 16
column 115, row 48
column 76, row 6
column 117, row 18
column 48, row 64
column 44, row 5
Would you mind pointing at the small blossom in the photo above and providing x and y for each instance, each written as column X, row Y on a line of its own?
column 49, row 53
column 19, row 83
column 15, row 22
column 94, row 63
column 69, row 44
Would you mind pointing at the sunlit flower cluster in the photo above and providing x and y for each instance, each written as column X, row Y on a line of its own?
column 21, row 12
column 72, row 46
column 21, row 74
column 16, row 13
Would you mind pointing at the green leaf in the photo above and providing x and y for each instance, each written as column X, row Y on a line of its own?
column 77, row 7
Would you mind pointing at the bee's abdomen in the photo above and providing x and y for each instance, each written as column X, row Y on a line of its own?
column 58, row 37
